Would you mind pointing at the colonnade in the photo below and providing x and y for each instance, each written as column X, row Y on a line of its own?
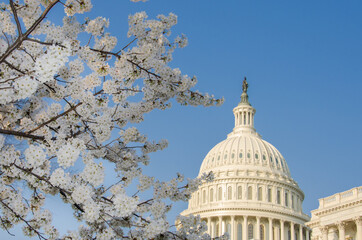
column 262, row 228
column 341, row 229
column 244, row 118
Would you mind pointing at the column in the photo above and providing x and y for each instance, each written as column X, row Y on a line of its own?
column 223, row 227
column 257, row 228
column 292, row 233
column 324, row 231
column 209, row 225
column 341, row 230
column 282, row 235
column 233, row 229
column 300, row 232
column 270, row 229
column 358, row 221
column 245, row 228
column 213, row 233
column 307, row 234
column 220, row 226
column 236, row 119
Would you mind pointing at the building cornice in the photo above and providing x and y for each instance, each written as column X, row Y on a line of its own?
column 303, row 217
column 325, row 211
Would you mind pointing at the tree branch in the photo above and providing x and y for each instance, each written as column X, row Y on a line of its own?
column 20, row 32
column 21, row 134
column 21, row 38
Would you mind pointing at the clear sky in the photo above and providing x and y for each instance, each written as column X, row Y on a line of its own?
column 303, row 61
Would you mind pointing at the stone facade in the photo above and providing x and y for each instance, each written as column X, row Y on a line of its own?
column 338, row 217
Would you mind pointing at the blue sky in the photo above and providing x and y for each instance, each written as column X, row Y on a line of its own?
column 303, row 64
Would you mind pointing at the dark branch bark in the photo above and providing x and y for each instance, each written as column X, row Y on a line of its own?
column 20, row 32
column 21, row 134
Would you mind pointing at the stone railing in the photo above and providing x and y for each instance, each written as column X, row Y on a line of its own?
column 342, row 197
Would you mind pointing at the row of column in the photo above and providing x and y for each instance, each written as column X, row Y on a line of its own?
column 233, row 232
column 244, row 118
column 276, row 193
column 341, row 229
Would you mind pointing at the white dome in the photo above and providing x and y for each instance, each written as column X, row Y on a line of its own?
column 245, row 152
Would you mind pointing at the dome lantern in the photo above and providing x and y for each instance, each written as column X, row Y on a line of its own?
column 244, row 112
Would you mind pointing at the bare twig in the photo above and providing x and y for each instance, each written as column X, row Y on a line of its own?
column 16, row 18
column 21, row 134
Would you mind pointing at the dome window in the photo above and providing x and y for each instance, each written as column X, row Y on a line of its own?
column 212, row 159
column 218, row 157
column 264, row 158
column 232, row 155
column 278, row 197
column 225, row 156
column 256, row 156
column 240, row 192
column 250, row 193
column 276, row 159
column 240, row 155
column 248, row 155
column 250, row 231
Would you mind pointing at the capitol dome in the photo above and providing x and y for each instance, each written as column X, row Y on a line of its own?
column 253, row 195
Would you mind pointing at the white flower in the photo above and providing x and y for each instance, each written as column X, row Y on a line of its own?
column 25, row 87
column 82, row 193
column 35, row 155
column 67, row 155
column 93, row 173
column 124, row 205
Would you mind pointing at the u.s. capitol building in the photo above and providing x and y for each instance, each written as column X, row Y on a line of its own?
column 253, row 195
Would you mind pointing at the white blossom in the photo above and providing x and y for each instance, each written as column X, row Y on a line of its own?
column 69, row 92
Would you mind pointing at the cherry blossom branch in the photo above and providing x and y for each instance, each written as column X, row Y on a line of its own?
column 3, row 224
column 20, row 32
column 62, row 114
column 21, row 134
column 22, row 219
column 21, row 38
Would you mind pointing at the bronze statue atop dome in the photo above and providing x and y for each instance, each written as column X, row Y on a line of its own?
column 245, row 85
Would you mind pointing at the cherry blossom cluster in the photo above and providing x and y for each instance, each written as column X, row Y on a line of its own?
column 70, row 106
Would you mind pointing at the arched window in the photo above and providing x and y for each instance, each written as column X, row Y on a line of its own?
column 240, row 192
column 220, row 194
column 250, row 193
column 250, row 231
column 228, row 228
column 198, row 198
column 262, row 232
column 286, row 199
column 278, row 197
column 269, row 195
column 260, row 193
column 230, row 193
column 289, row 235
column 203, row 196
column 211, row 195
column 240, row 232
column 293, row 204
